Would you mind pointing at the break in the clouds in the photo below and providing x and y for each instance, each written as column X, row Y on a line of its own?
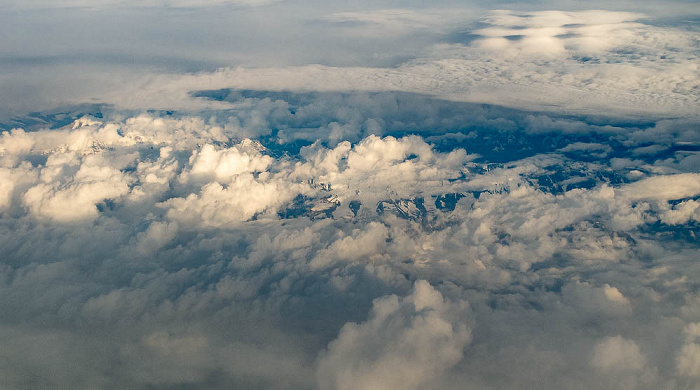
column 374, row 196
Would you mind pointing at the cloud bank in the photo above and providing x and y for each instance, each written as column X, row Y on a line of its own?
column 515, row 207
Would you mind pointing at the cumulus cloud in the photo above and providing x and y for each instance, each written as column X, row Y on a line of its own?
column 422, row 225
column 668, row 187
column 405, row 343
column 186, row 223
column 241, row 200
column 77, row 198
column 617, row 353
column 224, row 164
column 688, row 359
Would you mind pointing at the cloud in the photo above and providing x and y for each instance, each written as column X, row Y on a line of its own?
column 688, row 359
column 668, row 187
column 34, row 4
column 200, row 240
column 617, row 353
column 397, row 21
column 241, row 200
column 405, row 343
column 683, row 212
column 221, row 165
column 555, row 32
column 458, row 217
column 610, row 63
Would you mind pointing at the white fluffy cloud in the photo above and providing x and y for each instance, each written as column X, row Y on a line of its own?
column 184, row 223
column 241, row 200
column 363, row 226
column 224, row 164
column 405, row 343
column 617, row 353
column 74, row 197
column 688, row 359
column 668, row 187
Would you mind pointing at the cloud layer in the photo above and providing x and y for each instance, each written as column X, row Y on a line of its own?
column 516, row 207
column 383, row 262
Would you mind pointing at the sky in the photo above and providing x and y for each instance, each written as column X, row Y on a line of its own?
column 277, row 194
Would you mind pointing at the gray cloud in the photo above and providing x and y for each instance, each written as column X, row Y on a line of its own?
column 521, row 218
column 196, row 265
column 405, row 343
